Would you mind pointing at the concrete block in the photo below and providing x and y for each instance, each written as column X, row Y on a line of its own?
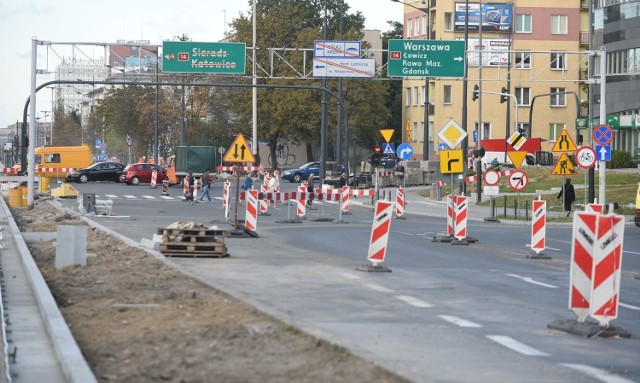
column 71, row 246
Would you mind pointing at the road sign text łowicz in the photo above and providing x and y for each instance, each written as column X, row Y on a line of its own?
column 426, row 58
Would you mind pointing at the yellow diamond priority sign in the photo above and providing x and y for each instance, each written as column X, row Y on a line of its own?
column 452, row 134
column 239, row 151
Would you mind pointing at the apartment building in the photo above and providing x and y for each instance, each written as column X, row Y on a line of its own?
column 616, row 27
column 532, row 49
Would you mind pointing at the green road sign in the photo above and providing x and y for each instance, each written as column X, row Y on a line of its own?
column 426, row 58
column 195, row 57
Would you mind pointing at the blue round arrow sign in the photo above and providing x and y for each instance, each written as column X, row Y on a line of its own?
column 404, row 151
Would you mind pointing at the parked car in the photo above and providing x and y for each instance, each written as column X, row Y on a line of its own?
column 100, row 171
column 135, row 174
column 304, row 171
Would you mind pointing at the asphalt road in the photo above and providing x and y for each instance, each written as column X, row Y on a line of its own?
column 446, row 313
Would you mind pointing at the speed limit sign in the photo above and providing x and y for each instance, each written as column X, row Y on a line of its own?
column 128, row 140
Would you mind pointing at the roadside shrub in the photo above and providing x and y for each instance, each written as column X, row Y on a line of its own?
column 620, row 159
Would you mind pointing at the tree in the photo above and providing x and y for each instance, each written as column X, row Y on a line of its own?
column 294, row 115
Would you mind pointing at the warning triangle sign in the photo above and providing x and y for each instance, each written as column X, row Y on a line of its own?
column 564, row 143
column 564, row 167
column 386, row 133
column 517, row 158
column 239, row 151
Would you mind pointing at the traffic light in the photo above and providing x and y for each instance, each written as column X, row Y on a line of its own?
column 476, row 92
column 503, row 97
column 376, row 157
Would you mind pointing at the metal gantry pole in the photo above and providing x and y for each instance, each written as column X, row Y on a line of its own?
column 254, row 97
column 603, row 120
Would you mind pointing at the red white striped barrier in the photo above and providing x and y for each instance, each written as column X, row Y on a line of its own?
column 185, row 187
column 399, row 202
column 582, row 247
column 606, row 272
column 450, row 214
column 226, row 198
column 234, row 168
column 56, row 170
column 384, row 173
column 344, row 199
column 460, row 210
column 264, row 204
column 154, row 177
column 195, row 189
column 251, row 214
column 380, row 232
column 301, row 206
column 595, row 208
column 538, row 226
column 363, row 192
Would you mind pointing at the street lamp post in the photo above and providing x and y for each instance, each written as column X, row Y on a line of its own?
column 425, row 127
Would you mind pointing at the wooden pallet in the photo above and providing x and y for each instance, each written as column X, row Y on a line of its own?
column 187, row 249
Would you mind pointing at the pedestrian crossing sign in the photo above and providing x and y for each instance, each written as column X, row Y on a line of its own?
column 388, row 149
column 564, row 166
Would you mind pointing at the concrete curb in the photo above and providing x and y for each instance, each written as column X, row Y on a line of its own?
column 72, row 363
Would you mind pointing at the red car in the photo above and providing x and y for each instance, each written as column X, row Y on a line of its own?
column 135, row 174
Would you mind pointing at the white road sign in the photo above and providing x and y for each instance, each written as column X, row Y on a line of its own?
column 328, row 67
column 518, row 180
column 337, row 49
column 491, row 177
column 586, row 157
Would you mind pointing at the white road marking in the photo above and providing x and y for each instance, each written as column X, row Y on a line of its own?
column 629, row 306
column 149, row 197
column 110, row 196
column 350, row 276
column 378, row 288
column 166, row 197
column 415, row 302
column 426, row 203
column 546, row 247
column 597, row 373
column 402, row 232
column 459, row 321
column 631, row 252
column 516, row 346
column 131, row 196
column 530, row 280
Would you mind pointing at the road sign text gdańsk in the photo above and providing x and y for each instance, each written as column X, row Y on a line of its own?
column 199, row 57
column 426, row 58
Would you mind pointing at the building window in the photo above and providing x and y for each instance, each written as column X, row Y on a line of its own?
column 555, row 128
column 421, row 139
column 416, row 95
column 523, row 60
column 523, row 23
column 522, row 95
column 559, row 24
column 424, row 24
column 446, row 99
column 416, row 29
column 558, row 100
column 408, row 97
column 414, row 130
column 486, row 130
column 448, row 21
column 558, row 61
column 409, row 28
column 423, row 94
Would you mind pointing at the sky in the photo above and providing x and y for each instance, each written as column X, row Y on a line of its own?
column 98, row 21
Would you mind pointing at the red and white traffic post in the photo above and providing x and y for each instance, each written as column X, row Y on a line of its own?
column 226, row 198
column 264, row 202
column 301, row 206
column 154, row 177
column 379, row 236
column 460, row 213
column 539, row 229
column 596, row 259
column 450, row 224
column 251, row 214
column 400, row 201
